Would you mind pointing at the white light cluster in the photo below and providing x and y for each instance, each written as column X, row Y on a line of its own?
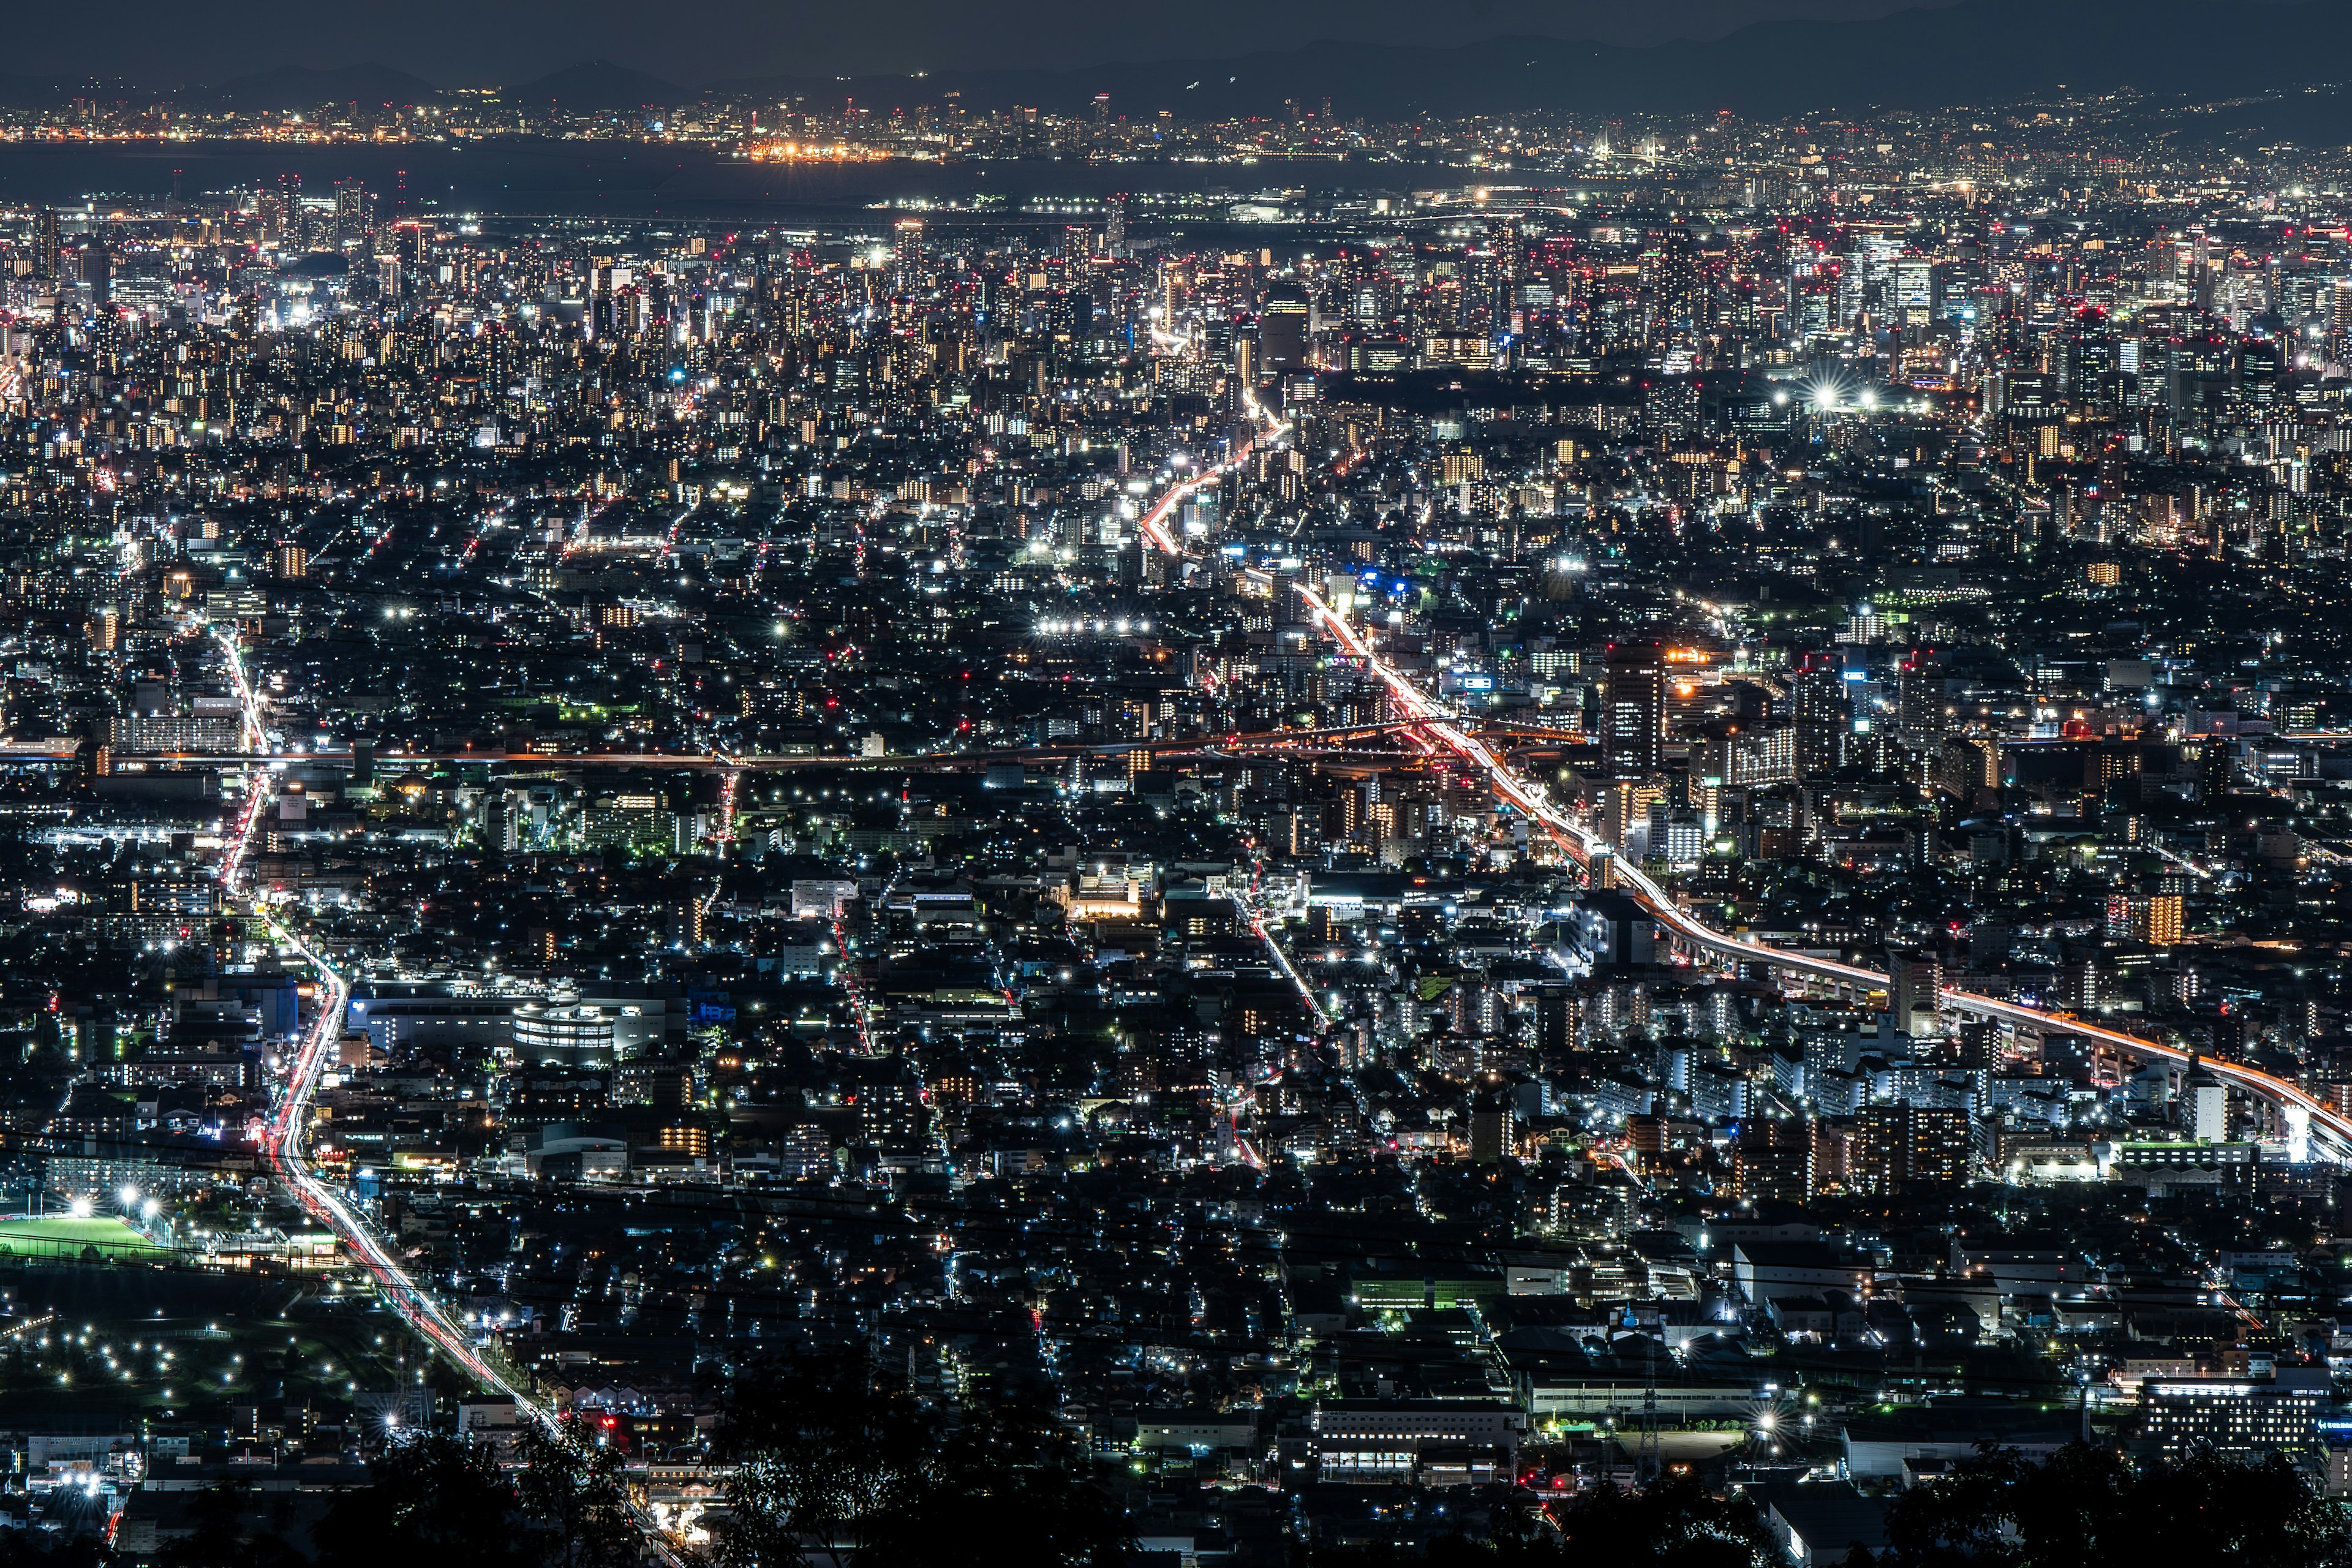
column 1077, row 628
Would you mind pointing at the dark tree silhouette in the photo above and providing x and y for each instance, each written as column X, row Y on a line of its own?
column 832, row 1457
column 1674, row 1520
column 2086, row 1507
column 571, row 1490
column 222, row 1538
column 438, row 1500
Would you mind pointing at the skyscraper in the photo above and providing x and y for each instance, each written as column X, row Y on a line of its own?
column 350, row 210
column 45, row 246
column 1633, row 714
column 1283, row 331
column 907, row 236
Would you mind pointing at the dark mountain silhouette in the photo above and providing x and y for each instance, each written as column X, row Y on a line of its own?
column 299, row 87
column 597, row 85
column 1979, row 51
column 45, row 91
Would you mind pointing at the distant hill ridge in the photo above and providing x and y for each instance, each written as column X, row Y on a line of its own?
column 598, row 86
column 1974, row 52
column 1979, row 51
column 300, row 86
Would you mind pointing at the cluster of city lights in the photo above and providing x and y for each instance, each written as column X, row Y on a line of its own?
column 1081, row 627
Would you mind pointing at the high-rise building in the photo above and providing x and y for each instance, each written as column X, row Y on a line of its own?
column 1905, row 1147
column 96, row 269
column 1773, row 1157
column 350, row 210
column 1491, row 1129
column 45, row 245
column 1560, row 1019
column 1819, row 709
column 501, row 823
column 2216, row 768
column 1283, row 329
column 907, row 246
column 1634, row 717
column 1919, row 700
column 2209, row 1109
column 1913, row 983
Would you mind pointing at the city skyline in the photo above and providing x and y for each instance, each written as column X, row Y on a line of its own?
column 1518, row 802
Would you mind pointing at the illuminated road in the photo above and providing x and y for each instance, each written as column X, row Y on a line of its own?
column 252, row 738
column 284, row 1139
column 2309, row 1123
column 1154, row 525
column 757, row 763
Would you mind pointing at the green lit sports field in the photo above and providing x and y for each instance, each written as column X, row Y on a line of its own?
column 65, row 1235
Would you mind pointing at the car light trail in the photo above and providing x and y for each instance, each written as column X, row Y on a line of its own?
column 283, row 1140
column 2305, row 1115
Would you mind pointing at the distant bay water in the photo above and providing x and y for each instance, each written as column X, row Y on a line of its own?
column 634, row 181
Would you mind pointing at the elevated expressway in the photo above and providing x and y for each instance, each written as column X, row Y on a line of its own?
column 1238, row 742
column 2309, row 1127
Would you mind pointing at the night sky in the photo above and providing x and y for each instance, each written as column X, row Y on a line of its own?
column 453, row 43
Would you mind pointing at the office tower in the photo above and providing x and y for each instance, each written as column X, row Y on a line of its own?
column 1283, row 331
column 45, row 245
column 98, row 270
column 1633, row 716
column 350, row 210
